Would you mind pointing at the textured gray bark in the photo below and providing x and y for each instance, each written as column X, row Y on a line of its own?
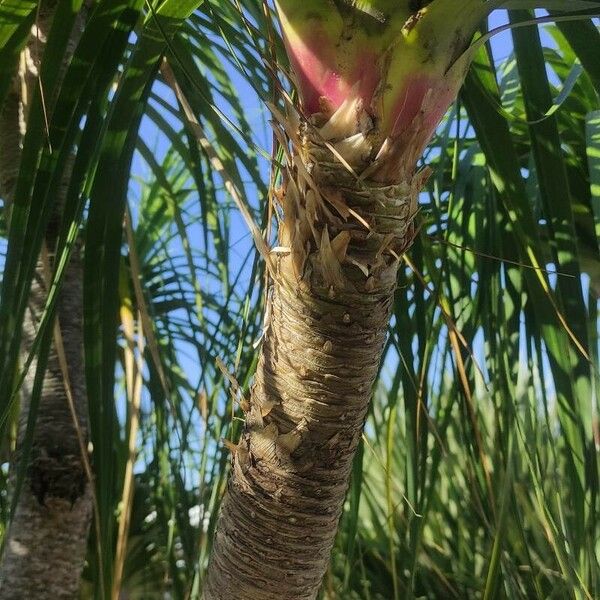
column 47, row 539
column 46, row 542
column 330, row 306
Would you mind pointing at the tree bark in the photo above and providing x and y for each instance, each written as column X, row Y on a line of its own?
column 329, row 310
column 47, row 539
column 46, row 542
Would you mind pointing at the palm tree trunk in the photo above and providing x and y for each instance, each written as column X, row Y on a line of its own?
column 45, row 546
column 329, row 312
column 374, row 80
column 291, row 468
column 47, row 539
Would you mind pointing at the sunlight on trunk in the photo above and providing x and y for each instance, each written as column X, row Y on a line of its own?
column 374, row 83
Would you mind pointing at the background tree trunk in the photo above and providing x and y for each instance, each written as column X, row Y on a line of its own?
column 46, row 542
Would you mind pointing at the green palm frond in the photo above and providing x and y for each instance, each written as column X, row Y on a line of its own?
column 478, row 473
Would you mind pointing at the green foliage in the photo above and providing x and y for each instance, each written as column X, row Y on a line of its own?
column 478, row 474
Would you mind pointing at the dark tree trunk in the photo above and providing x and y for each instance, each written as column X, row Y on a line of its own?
column 45, row 546
column 47, row 539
